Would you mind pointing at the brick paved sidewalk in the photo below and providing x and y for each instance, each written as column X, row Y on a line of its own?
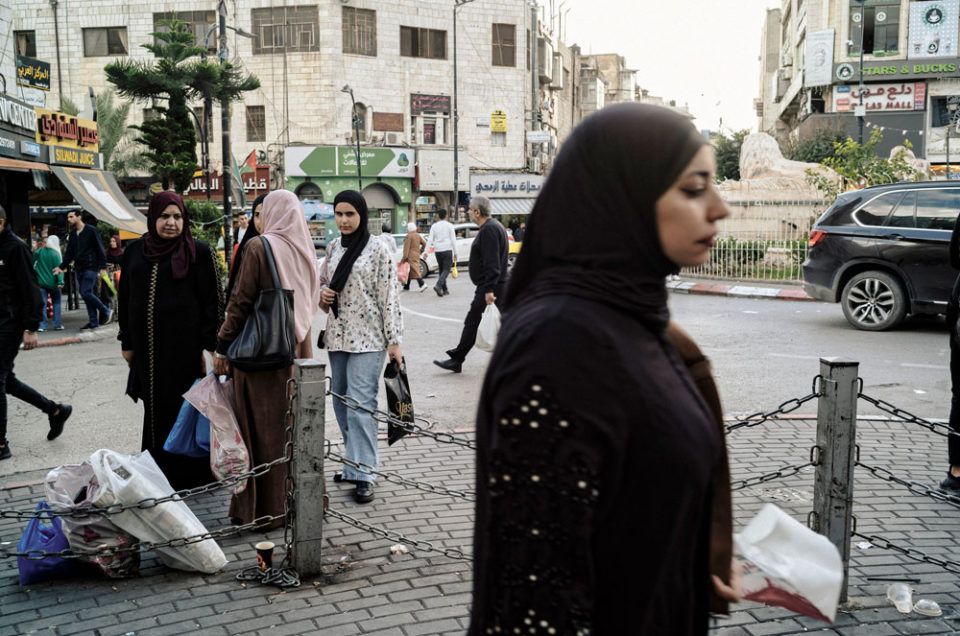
column 364, row 589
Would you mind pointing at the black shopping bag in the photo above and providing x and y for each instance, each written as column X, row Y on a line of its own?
column 398, row 398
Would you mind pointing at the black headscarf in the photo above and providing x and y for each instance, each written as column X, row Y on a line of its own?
column 593, row 230
column 248, row 235
column 354, row 242
column 182, row 251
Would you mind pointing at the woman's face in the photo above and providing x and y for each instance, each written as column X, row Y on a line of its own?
column 347, row 217
column 113, row 243
column 170, row 223
column 258, row 218
column 688, row 212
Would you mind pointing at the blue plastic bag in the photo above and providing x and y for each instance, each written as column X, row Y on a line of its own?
column 190, row 434
column 44, row 533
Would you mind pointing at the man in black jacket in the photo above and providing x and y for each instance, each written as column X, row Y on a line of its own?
column 21, row 308
column 488, row 271
column 85, row 253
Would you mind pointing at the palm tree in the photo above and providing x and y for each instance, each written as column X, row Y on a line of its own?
column 117, row 142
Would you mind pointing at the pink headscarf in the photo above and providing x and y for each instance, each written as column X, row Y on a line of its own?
column 285, row 226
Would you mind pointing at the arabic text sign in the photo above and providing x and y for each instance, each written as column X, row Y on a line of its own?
column 879, row 97
column 59, row 129
column 31, row 72
column 506, row 185
column 337, row 161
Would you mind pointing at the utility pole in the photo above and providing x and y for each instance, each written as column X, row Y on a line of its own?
column 861, row 110
column 534, row 81
column 225, row 141
column 456, row 115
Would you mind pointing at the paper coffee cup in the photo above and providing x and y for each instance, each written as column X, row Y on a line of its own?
column 264, row 555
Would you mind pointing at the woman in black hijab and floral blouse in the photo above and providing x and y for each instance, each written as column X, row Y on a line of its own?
column 598, row 458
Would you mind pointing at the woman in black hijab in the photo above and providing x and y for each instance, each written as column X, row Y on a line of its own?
column 597, row 456
column 252, row 231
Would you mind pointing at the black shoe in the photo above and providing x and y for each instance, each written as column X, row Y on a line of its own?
column 106, row 318
column 450, row 352
column 339, row 478
column 450, row 365
column 57, row 421
column 89, row 325
column 5, row 452
column 364, row 492
column 950, row 485
column 438, row 290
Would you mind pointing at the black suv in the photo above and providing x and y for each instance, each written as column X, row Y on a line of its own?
column 883, row 252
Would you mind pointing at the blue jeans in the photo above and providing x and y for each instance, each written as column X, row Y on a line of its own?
column 95, row 309
column 56, row 296
column 357, row 375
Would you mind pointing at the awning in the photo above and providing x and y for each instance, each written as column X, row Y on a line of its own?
column 40, row 171
column 99, row 194
column 511, row 206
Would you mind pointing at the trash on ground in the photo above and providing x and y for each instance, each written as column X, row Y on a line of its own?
column 399, row 549
column 864, row 545
column 927, row 608
column 901, row 594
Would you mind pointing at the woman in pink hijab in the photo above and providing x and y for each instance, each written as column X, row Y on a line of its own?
column 261, row 395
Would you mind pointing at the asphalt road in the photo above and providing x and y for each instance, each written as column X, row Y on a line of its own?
column 763, row 351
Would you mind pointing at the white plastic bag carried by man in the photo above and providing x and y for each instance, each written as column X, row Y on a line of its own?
column 130, row 479
column 788, row 565
column 488, row 329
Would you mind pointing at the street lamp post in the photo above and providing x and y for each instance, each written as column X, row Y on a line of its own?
column 204, row 146
column 456, row 116
column 356, row 132
column 861, row 111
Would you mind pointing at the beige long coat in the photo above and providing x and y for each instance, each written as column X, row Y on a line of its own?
column 413, row 245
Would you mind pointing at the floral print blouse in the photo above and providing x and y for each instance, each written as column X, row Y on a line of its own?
column 370, row 318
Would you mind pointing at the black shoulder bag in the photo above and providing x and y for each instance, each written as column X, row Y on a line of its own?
column 268, row 339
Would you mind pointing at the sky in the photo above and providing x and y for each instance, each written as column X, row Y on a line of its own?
column 702, row 53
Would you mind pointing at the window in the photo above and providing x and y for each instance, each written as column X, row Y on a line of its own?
column 105, row 41
column 504, row 45
column 200, row 23
column 26, row 43
column 878, row 209
column 902, row 215
column 429, row 43
column 430, row 128
column 256, row 123
column 937, row 209
column 291, row 29
column 359, row 31
column 878, row 23
column 498, row 138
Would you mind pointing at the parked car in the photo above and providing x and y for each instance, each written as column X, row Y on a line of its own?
column 883, row 252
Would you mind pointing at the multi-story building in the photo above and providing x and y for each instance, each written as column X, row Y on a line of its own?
column 910, row 86
column 396, row 56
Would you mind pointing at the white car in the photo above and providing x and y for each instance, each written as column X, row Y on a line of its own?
column 465, row 233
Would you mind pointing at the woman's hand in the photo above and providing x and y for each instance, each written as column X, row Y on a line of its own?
column 327, row 296
column 394, row 353
column 734, row 591
column 128, row 356
column 221, row 366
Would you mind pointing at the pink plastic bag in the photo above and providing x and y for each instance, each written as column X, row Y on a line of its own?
column 228, row 453
column 403, row 272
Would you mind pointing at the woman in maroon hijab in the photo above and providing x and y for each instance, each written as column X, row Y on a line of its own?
column 169, row 300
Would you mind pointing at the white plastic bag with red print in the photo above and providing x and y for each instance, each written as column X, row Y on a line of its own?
column 788, row 565
column 228, row 453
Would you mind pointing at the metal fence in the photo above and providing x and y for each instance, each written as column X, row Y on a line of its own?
column 762, row 240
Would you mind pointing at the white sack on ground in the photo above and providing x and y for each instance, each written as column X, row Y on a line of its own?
column 789, row 565
column 129, row 479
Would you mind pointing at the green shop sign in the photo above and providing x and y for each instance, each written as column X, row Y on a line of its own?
column 897, row 69
column 341, row 161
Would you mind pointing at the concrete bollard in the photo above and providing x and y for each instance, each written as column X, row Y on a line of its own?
column 837, row 444
column 307, row 465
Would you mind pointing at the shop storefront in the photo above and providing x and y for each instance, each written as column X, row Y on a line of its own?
column 23, row 162
column 434, row 184
column 511, row 194
column 72, row 146
column 321, row 172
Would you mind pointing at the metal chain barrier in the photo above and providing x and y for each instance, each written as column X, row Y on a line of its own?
column 383, row 533
column 913, row 486
column 285, row 575
column 397, row 478
column 906, row 416
column 786, row 471
column 150, row 502
column 145, row 546
column 762, row 417
column 910, row 553
column 383, row 417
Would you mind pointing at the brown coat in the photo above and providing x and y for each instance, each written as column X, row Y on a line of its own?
column 413, row 246
column 260, row 395
column 721, row 525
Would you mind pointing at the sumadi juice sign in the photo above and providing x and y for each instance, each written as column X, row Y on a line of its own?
column 66, row 131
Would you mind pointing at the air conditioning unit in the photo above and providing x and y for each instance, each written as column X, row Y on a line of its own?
column 393, row 138
column 544, row 60
column 557, row 80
